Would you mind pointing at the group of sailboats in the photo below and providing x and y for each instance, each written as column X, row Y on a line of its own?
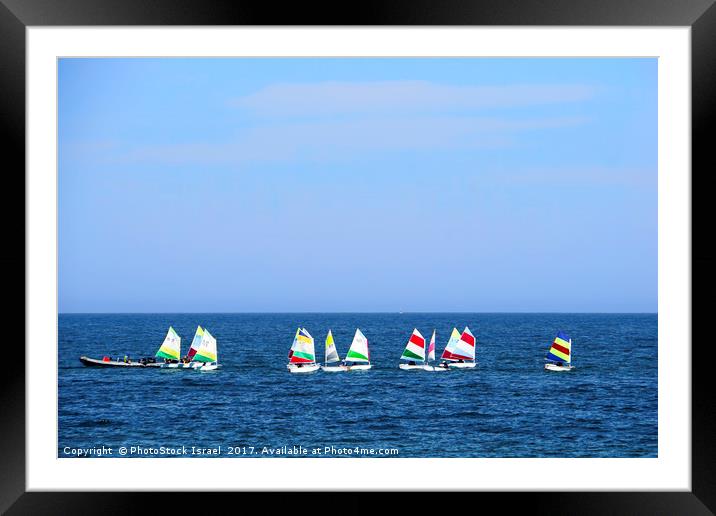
column 459, row 353
column 302, row 355
column 202, row 354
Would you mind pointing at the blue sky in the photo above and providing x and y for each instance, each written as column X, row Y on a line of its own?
column 251, row 185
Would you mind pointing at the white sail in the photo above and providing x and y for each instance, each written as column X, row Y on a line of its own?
column 465, row 347
column 207, row 351
column 358, row 351
column 331, row 351
column 431, row 348
column 450, row 347
column 302, row 350
column 171, row 347
column 196, row 342
column 415, row 348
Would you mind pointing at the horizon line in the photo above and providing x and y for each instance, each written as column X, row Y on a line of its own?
column 350, row 312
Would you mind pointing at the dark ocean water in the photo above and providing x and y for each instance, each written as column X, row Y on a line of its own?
column 508, row 406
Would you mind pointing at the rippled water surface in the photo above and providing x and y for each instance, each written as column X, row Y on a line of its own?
column 508, row 406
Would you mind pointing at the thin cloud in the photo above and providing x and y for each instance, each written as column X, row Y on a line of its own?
column 340, row 98
column 340, row 140
column 577, row 175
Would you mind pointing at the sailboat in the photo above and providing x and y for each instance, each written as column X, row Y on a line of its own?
column 559, row 356
column 195, row 343
column 185, row 362
column 301, row 357
column 205, row 357
column 431, row 356
column 169, row 350
column 414, row 351
column 171, row 347
column 358, row 356
column 460, row 353
column 447, row 352
column 332, row 356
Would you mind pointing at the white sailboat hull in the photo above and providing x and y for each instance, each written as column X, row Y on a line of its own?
column 412, row 367
column 359, row 367
column 334, row 368
column 199, row 366
column 203, row 366
column 555, row 367
column 304, row 369
column 434, row 368
column 462, row 365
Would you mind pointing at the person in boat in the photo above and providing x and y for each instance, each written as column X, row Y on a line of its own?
column 411, row 362
column 299, row 365
column 461, row 361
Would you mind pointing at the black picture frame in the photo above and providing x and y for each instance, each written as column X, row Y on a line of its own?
column 700, row 15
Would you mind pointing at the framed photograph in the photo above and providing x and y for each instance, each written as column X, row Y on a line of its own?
column 442, row 250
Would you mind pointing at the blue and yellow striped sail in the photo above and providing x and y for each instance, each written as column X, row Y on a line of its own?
column 561, row 349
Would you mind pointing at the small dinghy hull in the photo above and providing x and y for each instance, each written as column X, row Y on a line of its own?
column 434, row 368
column 198, row 366
column 334, row 369
column 462, row 365
column 359, row 367
column 172, row 366
column 555, row 367
column 304, row 369
column 412, row 367
column 207, row 366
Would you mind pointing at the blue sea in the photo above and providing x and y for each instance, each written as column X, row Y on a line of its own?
column 507, row 406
